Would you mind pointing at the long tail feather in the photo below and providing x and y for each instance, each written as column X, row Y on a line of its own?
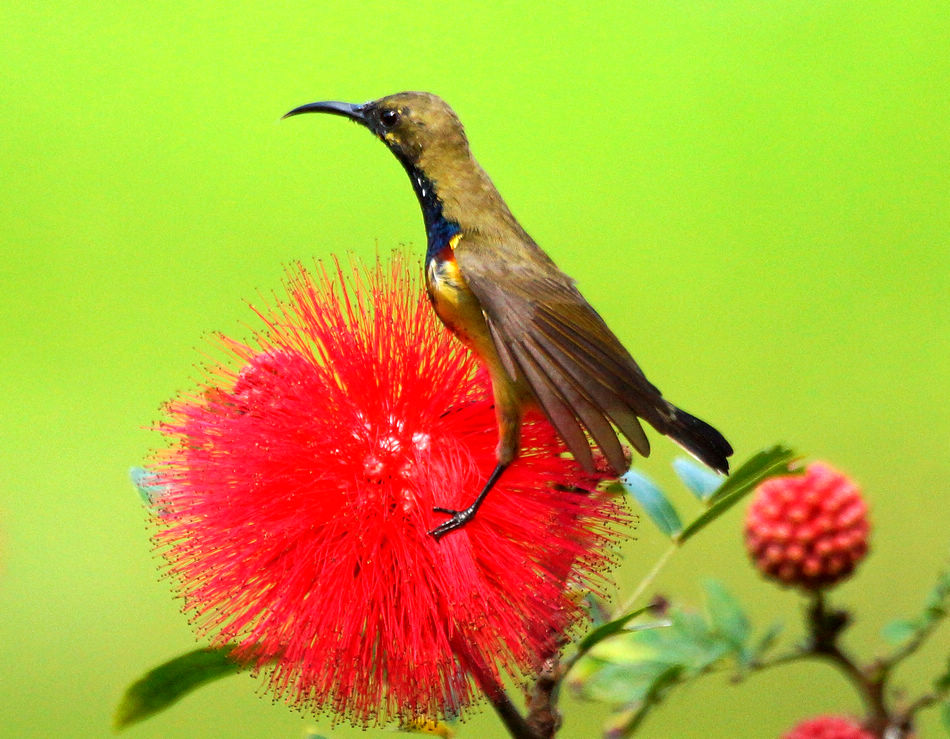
column 698, row 438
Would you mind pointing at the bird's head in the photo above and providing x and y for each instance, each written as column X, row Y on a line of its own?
column 428, row 139
column 418, row 127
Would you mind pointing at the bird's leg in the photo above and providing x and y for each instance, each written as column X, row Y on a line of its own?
column 508, row 402
column 460, row 518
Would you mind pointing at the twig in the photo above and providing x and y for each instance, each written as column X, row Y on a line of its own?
column 543, row 717
column 514, row 722
column 826, row 625
column 935, row 611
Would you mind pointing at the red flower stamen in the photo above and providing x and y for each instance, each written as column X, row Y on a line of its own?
column 299, row 492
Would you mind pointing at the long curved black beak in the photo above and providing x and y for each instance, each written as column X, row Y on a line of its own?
column 347, row 110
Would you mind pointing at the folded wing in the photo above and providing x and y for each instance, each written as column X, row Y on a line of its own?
column 582, row 376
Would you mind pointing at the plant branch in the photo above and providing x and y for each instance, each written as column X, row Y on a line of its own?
column 916, row 640
column 826, row 626
column 514, row 722
column 543, row 717
column 936, row 610
column 925, row 701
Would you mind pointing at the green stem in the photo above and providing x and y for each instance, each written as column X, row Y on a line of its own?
column 646, row 581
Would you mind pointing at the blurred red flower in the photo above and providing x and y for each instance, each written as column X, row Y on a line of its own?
column 298, row 493
column 828, row 727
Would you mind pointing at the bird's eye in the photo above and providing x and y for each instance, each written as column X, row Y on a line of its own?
column 389, row 117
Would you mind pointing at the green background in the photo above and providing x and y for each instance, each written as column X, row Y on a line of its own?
column 755, row 195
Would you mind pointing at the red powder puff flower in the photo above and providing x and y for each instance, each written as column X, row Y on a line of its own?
column 299, row 490
column 808, row 530
column 828, row 727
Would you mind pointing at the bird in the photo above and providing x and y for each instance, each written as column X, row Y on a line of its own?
column 543, row 344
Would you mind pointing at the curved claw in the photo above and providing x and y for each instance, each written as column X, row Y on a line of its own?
column 457, row 520
column 460, row 518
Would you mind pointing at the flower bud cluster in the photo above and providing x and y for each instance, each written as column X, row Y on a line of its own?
column 807, row 530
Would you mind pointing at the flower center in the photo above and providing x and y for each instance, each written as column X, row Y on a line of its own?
column 390, row 459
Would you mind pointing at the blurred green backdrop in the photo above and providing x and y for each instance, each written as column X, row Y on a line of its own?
column 754, row 194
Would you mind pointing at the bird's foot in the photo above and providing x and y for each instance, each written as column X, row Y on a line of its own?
column 458, row 520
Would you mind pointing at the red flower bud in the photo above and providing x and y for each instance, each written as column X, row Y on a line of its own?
column 807, row 530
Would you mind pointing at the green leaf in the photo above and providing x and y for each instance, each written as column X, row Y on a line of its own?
column 938, row 599
column 945, row 716
column 609, row 629
column 700, row 480
column 161, row 687
column 621, row 683
column 899, row 630
column 635, row 668
column 617, row 722
column 726, row 615
column 767, row 640
column 654, row 502
column 597, row 608
column 148, row 487
column 692, row 643
column 760, row 467
column 655, row 693
column 942, row 682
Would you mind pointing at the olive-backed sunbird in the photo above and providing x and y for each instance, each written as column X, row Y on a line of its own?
column 493, row 286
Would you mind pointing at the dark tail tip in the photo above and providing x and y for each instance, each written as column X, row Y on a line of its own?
column 700, row 439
